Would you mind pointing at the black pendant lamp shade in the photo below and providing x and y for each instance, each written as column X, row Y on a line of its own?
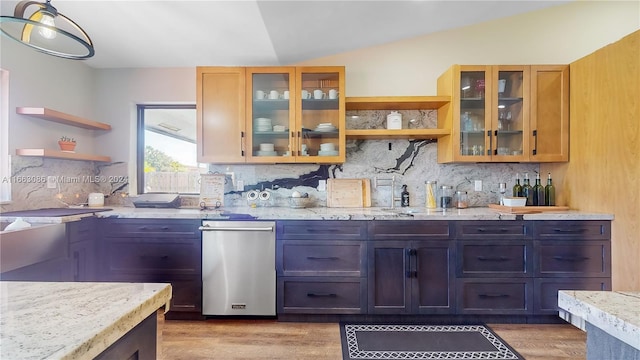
column 46, row 30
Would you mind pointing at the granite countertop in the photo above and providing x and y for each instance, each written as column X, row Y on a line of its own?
column 615, row 312
column 64, row 320
column 324, row 213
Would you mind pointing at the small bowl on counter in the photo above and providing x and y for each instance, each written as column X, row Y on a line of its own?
column 514, row 201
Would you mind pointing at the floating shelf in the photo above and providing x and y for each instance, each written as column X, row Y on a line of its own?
column 62, row 155
column 382, row 134
column 397, row 102
column 62, row 118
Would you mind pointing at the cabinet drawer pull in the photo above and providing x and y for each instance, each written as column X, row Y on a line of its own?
column 485, row 296
column 570, row 231
column 323, row 258
column 161, row 257
column 499, row 258
column 571, row 258
column 165, row 228
column 322, row 295
column 323, row 231
column 183, row 306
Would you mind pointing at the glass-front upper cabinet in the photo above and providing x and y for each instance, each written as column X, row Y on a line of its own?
column 271, row 114
column 474, row 120
column 320, row 119
column 510, row 114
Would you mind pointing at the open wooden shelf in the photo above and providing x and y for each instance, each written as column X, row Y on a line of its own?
column 382, row 134
column 396, row 102
column 62, row 155
column 62, row 118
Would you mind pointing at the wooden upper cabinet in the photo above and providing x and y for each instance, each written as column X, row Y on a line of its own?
column 220, row 104
column 504, row 113
column 549, row 113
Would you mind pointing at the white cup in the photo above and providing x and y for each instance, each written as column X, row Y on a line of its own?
column 306, row 94
column 333, row 94
column 286, row 94
column 327, row 147
column 259, row 94
column 274, row 94
column 318, row 94
column 266, row 147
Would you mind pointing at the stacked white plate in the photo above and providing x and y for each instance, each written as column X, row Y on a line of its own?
column 262, row 125
column 266, row 153
column 326, row 127
column 328, row 153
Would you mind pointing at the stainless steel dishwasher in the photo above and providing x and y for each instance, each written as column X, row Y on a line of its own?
column 238, row 268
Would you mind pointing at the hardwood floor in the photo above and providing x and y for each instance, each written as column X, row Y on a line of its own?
column 269, row 339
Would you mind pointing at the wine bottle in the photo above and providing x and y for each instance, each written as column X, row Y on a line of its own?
column 527, row 190
column 517, row 188
column 538, row 192
column 550, row 193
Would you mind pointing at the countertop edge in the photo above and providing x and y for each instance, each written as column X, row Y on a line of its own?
column 607, row 310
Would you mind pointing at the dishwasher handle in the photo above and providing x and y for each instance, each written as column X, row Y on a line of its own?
column 234, row 228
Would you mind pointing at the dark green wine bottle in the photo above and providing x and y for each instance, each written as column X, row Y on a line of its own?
column 527, row 190
column 550, row 193
column 538, row 192
column 517, row 188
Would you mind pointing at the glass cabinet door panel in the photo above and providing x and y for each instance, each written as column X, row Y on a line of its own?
column 473, row 113
column 271, row 114
column 510, row 119
column 321, row 119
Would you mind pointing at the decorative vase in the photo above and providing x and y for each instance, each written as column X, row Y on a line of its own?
column 67, row 146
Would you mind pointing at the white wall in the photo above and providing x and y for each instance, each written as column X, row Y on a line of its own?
column 556, row 35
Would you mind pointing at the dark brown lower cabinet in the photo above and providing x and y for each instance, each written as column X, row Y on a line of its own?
column 414, row 274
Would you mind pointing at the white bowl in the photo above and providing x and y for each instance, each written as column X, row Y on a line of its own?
column 514, row 201
column 327, row 147
column 266, row 147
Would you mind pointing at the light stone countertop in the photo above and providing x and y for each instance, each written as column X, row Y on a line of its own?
column 325, row 213
column 65, row 320
column 615, row 312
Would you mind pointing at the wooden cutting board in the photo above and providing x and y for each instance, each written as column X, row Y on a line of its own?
column 348, row 193
column 526, row 209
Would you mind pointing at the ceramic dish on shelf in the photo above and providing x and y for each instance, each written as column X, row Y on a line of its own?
column 328, row 153
column 326, row 128
column 266, row 153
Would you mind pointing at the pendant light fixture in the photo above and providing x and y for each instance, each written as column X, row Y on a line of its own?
column 46, row 30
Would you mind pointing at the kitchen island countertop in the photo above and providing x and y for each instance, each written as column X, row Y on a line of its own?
column 64, row 320
column 325, row 213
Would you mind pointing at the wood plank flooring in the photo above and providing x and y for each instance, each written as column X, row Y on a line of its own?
column 270, row 339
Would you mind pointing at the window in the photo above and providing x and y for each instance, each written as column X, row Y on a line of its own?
column 5, row 158
column 167, row 154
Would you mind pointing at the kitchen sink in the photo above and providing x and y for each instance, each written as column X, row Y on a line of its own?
column 27, row 246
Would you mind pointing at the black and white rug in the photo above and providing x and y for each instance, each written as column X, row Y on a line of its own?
column 391, row 342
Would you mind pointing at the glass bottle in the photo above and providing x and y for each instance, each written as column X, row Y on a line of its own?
column 446, row 197
column 517, row 188
column 527, row 190
column 404, row 196
column 550, row 193
column 538, row 192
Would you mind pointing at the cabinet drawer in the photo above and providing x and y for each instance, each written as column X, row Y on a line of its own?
column 580, row 230
column 546, row 291
column 327, row 230
column 133, row 256
column 409, row 229
column 573, row 258
column 495, row 296
column 504, row 258
column 151, row 228
column 322, row 296
column 302, row 258
column 492, row 229
column 186, row 290
column 82, row 230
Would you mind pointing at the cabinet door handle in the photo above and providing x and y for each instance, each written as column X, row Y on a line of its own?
column 76, row 266
column 499, row 258
column 322, row 258
column 161, row 257
column 535, row 142
column 570, row 231
column 571, row 258
column 490, row 142
column 330, row 295
column 242, row 145
column 486, row 296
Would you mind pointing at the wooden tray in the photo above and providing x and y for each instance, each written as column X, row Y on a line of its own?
column 526, row 209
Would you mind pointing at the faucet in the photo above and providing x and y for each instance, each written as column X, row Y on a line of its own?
column 392, row 184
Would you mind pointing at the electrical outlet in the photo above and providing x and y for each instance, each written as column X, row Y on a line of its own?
column 51, row 182
column 239, row 185
column 322, row 185
column 478, row 185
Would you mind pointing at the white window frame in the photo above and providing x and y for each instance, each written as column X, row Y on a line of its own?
column 5, row 157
